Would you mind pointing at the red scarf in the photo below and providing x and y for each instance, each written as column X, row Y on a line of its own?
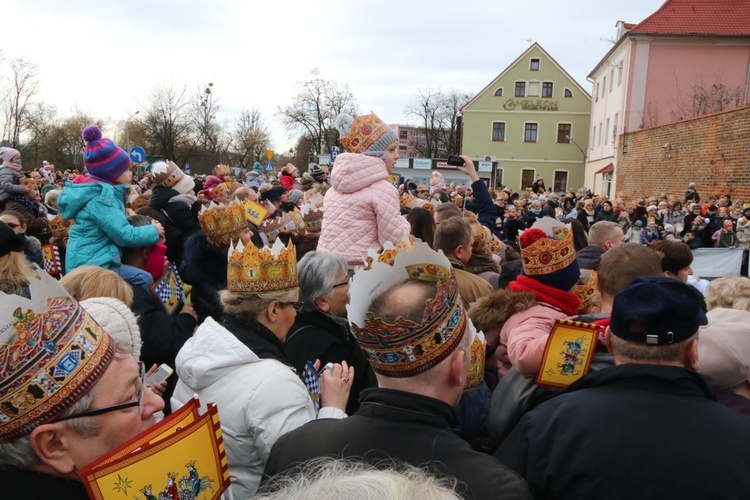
column 567, row 302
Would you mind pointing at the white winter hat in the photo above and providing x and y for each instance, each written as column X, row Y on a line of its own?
column 117, row 320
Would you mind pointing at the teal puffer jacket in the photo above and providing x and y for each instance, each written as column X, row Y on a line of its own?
column 100, row 225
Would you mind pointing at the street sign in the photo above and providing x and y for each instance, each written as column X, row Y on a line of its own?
column 187, row 168
column 269, row 154
column 334, row 154
column 269, row 166
column 137, row 154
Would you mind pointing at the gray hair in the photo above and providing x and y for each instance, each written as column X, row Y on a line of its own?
column 317, row 273
column 635, row 352
column 342, row 479
column 249, row 306
column 52, row 194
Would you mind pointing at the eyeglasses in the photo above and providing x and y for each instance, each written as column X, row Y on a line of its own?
column 122, row 406
column 296, row 305
column 423, row 191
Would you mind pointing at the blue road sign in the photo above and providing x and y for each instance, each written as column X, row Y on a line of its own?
column 187, row 168
column 269, row 166
column 137, row 154
column 334, row 154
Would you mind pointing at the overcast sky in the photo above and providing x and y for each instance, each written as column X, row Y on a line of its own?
column 105, row 57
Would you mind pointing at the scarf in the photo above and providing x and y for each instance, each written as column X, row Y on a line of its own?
column 16, row 167
column 567, row 302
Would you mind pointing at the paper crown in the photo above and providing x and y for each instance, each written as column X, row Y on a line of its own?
column 250, row 270
column 366, row 129
column 273, row 226
column 58, row 226
column 587, row 291
column 51, row 354
column 405, row 348
column 139, row 201
column 219, row 191
column 29, row 182
column 220, row 220
column 406, row 199
column 222, row 169
column 553, row 252
column 312, row 213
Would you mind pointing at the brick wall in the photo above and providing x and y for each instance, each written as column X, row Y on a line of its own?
column 713, row 151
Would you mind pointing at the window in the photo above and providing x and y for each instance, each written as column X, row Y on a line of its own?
column 604, row 85
column 498, row 131
column 596, row 94
column 563, row 133
column 499, row 92
column 619, row 73
column 593, row 137
column 530, row 131
column 606, row 133
column 599, row 137
column 534, row 66
column 402, row 144
column 520, row 89
column 533, row 89
column 568, row 93
column 498, row 176
column 527, row 177
column 402, row 133
column 614, row 129
column 547, row 89
column 561, row 181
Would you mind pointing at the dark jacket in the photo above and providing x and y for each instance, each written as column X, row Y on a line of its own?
column 589, row 257
column 24, row 484
column 179, row 221
column 610, row 216
column 205, row 268
column 316, row 335
column 403, row 426
column 633, row 431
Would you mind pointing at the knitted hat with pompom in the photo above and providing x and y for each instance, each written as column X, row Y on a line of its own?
column 104, row 160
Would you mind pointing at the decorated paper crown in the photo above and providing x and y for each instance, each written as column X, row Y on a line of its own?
column 551, row 252
column 587, row 291
column 406, row 348
column 29, row 182
column 220, row 220
column 138, row 202
column 58, row 226
column 51, row 354
column 366, row 129
column 480, row 233
column 312, row 213
column 222, row 169
column 220, row 191
column 250, row 270
column 406, row 199
column 431, row 205
column 273, row 226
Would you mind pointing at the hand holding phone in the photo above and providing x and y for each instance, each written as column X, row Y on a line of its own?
column 455, row 161
column 160, row 375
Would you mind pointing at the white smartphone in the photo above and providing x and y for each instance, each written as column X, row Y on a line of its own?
column 160, row 375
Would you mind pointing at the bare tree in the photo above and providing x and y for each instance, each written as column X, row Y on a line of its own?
column 17, row 98
column 204, row 109
column 250, row 138
column 63, row 144
column 702, row 99
column 314, row 109
column 41, row 122
column 167, row 123
column 436, row 115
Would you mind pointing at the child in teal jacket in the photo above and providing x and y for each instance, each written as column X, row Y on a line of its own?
column 97, row 204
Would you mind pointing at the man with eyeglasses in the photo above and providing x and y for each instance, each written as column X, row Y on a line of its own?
column 321, row 330
column 67, row 395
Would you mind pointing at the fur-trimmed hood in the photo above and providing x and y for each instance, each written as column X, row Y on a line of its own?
column 491, row 312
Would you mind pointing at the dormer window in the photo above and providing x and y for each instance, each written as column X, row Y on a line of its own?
column 534, row 66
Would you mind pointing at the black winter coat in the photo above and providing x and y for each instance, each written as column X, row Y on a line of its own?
column 205, row 268
column 20, row 484
column 633, row 431
column 589, row 257
column 403, row 426
column 315, row 335
column 179, row 221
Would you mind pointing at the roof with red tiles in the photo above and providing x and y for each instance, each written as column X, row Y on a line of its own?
column 698, row 17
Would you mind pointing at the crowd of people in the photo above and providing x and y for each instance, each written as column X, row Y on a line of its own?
column 385, row 340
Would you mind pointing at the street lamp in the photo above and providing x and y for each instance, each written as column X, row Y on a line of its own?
column 570, row 139
column 127, row 130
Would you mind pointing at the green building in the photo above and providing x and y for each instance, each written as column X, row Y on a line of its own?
column 531, row 120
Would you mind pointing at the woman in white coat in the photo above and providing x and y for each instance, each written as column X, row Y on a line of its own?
column 240, row 365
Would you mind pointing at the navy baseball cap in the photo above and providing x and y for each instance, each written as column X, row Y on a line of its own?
column 657, row 311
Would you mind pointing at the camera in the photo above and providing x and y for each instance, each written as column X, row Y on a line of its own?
column 455, row 161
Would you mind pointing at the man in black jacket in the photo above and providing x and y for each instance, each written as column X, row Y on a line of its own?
column 649, row 427
column 418, row 339
column 603, row 235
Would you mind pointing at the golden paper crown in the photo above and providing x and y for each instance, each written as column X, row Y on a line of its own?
column 547, row 255
column 220, row 220
column 389, row 252
column 405, row 348
column 312, row 213
column 587, row 291
column 29, row 182
column 406, row 199
column 478, row 347
column 366, row 129
column 58, row 226
column 139, row 201
column 222, row 169
column 480, row 233
column 220, row 191
column 51, row 354
column 273, row 226
column 250, row 270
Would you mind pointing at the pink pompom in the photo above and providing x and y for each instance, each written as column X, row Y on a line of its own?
column 91, row 133
column 530, row 236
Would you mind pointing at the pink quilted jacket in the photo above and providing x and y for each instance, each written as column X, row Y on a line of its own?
column 361, row 210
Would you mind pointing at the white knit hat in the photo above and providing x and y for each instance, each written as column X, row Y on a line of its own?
column 117, row 320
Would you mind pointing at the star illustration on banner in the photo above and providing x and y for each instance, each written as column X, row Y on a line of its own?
column 122, row 485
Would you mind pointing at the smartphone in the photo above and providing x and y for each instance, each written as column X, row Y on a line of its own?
column 160, row 375
column 455, row 161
